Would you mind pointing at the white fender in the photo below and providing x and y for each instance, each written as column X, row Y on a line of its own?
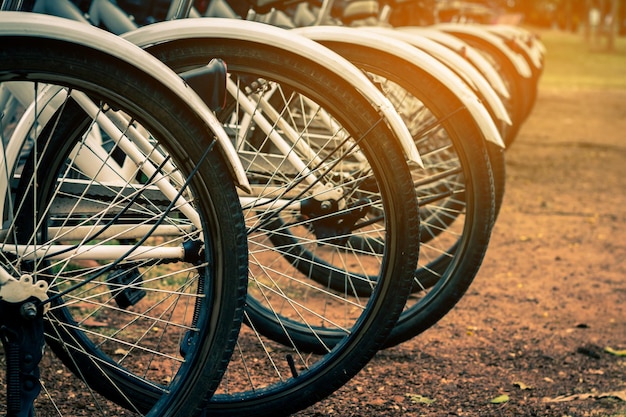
column 465, row 50
column 477, row 31
column 263, row 34
column 416, row 57
column 523, row 34
column 520, row 38
column 456, row 63
column 51, row 27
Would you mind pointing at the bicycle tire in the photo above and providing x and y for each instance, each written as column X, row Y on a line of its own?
column 447, row 264
column 207, row 327
column 338, row 354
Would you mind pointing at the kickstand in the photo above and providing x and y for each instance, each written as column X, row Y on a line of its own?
column 21, row 332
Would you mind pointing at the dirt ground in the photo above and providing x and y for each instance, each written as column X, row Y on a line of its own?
column 545, row 319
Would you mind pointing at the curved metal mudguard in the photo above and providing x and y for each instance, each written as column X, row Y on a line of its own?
column 523, row 40
column 477, row 31
column 416, row 57
column 458, row 64
column 51, row 27
column 262, row 34
column 468, row 52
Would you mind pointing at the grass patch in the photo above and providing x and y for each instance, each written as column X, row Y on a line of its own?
column 573, row 63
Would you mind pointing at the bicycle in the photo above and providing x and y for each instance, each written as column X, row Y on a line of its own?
column 152, row 323
column 455, row 190
column 337, row 341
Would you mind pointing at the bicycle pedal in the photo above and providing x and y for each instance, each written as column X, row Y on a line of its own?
column 125, row 286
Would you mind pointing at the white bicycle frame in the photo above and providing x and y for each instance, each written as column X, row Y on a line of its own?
column 232, row 27
column 106, row 13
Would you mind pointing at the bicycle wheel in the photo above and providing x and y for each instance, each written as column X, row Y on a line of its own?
column 136, row 228
column 304, row 340
column 455, row 190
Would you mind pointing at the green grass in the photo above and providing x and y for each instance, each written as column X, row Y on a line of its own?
column 573, row 63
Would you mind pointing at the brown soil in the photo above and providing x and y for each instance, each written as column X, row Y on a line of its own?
column 550, row 297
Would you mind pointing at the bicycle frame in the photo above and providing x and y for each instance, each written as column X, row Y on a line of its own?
column 146, row 37
column 106, row 13
column 320, row 191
